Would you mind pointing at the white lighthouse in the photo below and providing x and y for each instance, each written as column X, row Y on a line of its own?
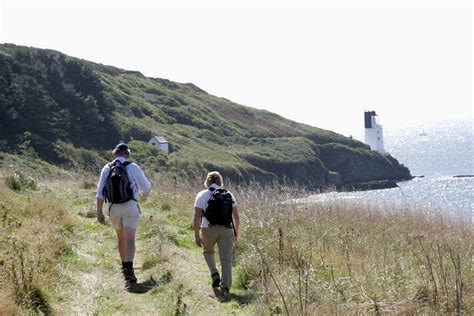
column 373, row 131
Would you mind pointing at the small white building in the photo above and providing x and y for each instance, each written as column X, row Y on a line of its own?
column 373, row 132
column 160, row 142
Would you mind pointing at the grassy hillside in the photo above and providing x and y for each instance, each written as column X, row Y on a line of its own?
column 71, row 112
column 332, row 258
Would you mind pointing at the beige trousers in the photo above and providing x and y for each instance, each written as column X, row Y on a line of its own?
column 224, row 237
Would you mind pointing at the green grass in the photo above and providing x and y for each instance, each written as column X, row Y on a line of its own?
column 92, row 227
column 150, row 261
column 32, row 166
column 184, row 241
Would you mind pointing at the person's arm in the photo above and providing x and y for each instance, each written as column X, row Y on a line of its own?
column 143, row 184
column 197, row 226
column 236, row 221
column 100, row 214
column 100, row 195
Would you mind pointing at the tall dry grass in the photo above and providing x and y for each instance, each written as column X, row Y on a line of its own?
column 351, row 257
column 342, row 256
column 333, row 257
column 34, row 226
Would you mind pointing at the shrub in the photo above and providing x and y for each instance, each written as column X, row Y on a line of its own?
column 19, row 182
column 78, row 158
column 246, row 275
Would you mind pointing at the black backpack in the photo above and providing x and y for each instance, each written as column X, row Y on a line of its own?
column 219, row 209
column 118, row 188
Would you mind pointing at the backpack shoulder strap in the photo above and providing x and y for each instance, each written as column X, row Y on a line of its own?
column 113, row 163
column 212, row 189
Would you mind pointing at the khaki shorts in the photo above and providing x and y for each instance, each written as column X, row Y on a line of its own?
column 124, row 214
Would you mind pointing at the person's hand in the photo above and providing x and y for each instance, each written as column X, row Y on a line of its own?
column 144, row 195
column 100, row 217
column 235, row 238
column 198, row 240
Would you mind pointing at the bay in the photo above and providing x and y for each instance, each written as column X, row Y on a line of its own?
column 437, row 151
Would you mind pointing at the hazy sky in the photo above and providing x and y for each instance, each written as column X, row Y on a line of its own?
column 320, row 63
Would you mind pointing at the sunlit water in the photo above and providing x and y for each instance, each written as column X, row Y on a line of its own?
column 437, row 151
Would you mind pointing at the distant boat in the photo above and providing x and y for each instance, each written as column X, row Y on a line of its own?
column 423, row 134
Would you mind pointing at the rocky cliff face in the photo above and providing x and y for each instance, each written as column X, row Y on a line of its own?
column 71, row 112
column 356, row 166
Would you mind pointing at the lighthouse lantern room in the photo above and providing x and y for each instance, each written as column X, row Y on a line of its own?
column 373, row 132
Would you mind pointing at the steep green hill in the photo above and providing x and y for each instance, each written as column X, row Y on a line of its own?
column 71, row 112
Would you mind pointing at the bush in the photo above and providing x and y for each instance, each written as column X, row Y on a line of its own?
column 147, row 156
column 79, row 158
column 246, row 275
column 19, row 182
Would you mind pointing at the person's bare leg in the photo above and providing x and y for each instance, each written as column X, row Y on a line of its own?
column 129, row 241
column 126, row 244
column 121, row 243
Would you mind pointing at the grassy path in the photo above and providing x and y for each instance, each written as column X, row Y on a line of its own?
column 173, row 278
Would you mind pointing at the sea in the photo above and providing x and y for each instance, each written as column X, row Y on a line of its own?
column 437, row 153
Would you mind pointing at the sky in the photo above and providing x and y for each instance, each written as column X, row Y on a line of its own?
column 322, row 63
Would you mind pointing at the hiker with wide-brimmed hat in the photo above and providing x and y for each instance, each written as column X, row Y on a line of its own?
column 215, row 210
column 119, row 185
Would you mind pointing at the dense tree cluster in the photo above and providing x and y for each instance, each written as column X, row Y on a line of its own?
column 47, row 97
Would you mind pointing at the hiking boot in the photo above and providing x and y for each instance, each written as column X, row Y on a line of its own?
column 224, row 290
column 216, row 279
column 129, row 275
